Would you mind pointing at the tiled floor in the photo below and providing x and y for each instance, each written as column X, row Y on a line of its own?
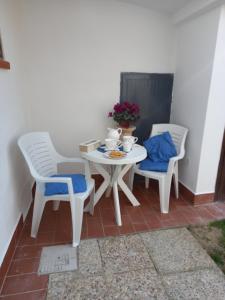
column 22, row 281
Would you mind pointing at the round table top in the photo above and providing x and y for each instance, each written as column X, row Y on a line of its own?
column 137, row 154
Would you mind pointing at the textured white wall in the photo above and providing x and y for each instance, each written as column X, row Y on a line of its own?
column 14, row 180
column 66, row 59
column 75, row 53
column 215, row 117
column 196, row 42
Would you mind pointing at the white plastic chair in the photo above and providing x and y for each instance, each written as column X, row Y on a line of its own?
column 178, row 134
column 42, row 160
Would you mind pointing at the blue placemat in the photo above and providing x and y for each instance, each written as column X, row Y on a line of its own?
column 103, row 150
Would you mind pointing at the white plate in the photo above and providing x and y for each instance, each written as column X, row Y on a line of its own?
column 106, row 154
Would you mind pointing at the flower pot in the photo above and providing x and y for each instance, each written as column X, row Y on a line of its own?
column 124, row 124
column 127, row 131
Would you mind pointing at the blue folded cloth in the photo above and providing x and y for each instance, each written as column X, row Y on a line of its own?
column 103, row 149
column 59, row 188
column 160, row 149
column 149, row 165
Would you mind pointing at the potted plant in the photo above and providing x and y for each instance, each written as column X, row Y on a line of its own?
column 125, row 114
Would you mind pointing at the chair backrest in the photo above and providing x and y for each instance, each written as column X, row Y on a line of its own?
column 39, row 153
column 177, row 132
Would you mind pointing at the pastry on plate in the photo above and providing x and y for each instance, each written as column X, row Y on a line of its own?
column 116, row 154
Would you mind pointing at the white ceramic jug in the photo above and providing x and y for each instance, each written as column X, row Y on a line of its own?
column 114, row 133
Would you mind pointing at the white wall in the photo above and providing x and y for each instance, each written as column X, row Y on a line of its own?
column 66, row 58
column 196, row 42
column 215, row 117
column 75, row 53
column 14, row 192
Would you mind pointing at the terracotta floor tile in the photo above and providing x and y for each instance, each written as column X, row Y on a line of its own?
column 164, row 217
column 126, row 229
column 41, row 239
column 36, row 295
column 95, row 229
column 111, row 230
column 23, row 266
column 204, row 213
column 27, row 252
column 63, row 237
column 194, row 220
column 105, row 203
column 215, row 211
column 153, row 223
column 108, row 217
column 140, row 227
column 24, row 283
column 136, row 216
column 153, row 217
column 170, row 223
column 126, row 219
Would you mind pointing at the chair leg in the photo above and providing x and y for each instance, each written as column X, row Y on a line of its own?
column 39, row 204
column 77, row 207
column 146, row 182
column 175, row 180
column 164, row 194
column 56, row 205
column 92, row 201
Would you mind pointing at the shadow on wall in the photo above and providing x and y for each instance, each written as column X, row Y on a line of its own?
column 20, row 178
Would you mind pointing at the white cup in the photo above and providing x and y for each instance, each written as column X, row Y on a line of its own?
column 127, row 146
column 112, row 144
column 130, row 138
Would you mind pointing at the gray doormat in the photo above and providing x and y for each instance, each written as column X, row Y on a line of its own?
column 55, row 259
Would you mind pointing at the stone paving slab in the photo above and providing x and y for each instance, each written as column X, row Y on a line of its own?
column 137, row 253
column 165, row 264
column 114, row 254
column 140, row 284
column 90, row 262
column 201, row 284
column 176, row 250
column 74, row 288
column 120, row 254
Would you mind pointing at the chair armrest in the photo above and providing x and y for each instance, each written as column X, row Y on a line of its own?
column 172, row 162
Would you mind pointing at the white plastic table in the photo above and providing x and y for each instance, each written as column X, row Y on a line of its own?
column 119, row 168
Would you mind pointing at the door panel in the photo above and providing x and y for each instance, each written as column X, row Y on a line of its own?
column 153, row 92
column 220, row 182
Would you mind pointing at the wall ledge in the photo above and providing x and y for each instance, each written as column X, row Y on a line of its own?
column 195, row 199
column 4, row 64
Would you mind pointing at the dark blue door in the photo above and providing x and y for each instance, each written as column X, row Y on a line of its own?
column 153, row 92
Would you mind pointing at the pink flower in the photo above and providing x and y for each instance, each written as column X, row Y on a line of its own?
column 110, row 114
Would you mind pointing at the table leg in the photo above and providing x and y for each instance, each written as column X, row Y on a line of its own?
column 109, row 189
column 114, row 181
column 116, row 195
column 102, row 187
column 117, row 204
column 125, row 188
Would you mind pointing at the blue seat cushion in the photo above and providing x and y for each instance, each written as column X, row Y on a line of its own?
column 149, row 165
column 59, row 188
column 160, row 148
